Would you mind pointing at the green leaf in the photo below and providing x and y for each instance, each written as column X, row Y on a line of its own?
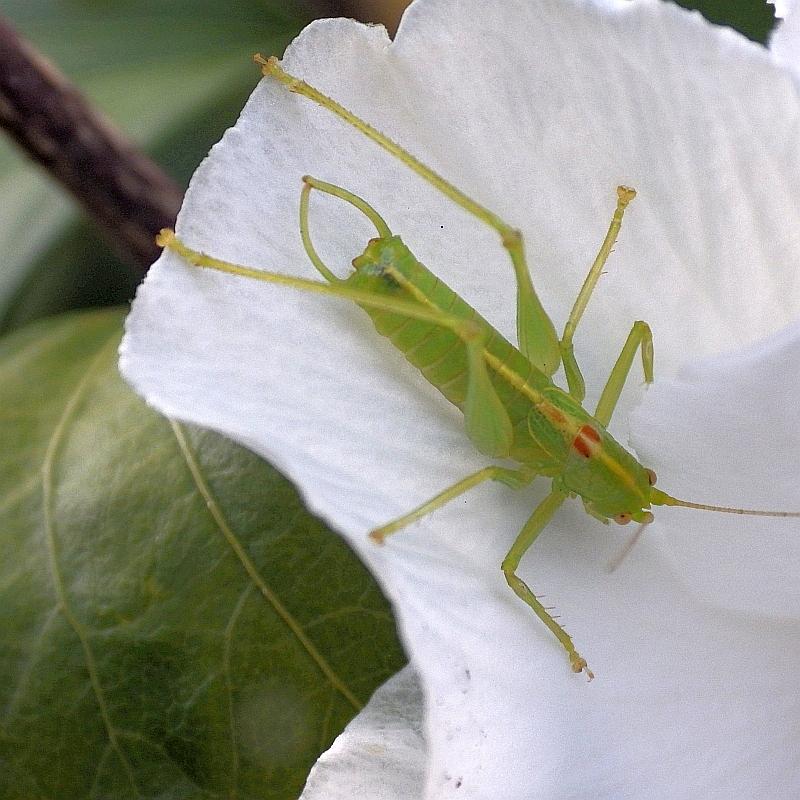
column 173, row 624
column 753, row 18
column 172, row 75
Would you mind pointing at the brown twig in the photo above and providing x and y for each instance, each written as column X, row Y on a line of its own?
column 386, row 11
column 126, row 194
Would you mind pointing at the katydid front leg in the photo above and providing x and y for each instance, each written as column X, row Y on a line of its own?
column 527, row 536
column 639, row 337
column 577, row 387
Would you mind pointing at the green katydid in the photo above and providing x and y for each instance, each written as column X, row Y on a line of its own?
column 511, row 407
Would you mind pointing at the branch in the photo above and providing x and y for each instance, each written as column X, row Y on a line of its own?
column 126, row 194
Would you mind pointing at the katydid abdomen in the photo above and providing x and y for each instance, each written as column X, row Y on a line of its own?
column 547, row 424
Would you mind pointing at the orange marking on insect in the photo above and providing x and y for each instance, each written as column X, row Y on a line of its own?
column 555, row 415
column 587, row 441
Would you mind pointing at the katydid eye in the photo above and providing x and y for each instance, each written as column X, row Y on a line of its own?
column 651, row 477
column 622, row 519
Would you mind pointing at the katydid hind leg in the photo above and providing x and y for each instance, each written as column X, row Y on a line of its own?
column 525, row 539
column 515, row 478
column 536, row 333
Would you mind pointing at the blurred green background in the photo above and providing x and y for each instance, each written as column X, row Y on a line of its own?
column 173, row 624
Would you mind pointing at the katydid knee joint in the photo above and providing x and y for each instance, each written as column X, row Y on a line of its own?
column 511, row 237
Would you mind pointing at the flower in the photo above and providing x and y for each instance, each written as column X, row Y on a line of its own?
column 538, row 110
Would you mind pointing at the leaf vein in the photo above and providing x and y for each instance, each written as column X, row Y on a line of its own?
column 27, row 672
column 226, row 665
column 267, row 593
column 48, row 499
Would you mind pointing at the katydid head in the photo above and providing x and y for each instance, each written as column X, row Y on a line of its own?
column 640, row 515
column 613, row 485
column 630, row 499
column 380, row 255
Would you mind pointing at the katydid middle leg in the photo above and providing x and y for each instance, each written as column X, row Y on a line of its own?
column 515, row 478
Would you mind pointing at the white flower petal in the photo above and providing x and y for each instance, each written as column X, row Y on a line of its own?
column 785, row 39
column 538, row 110
column 734, row 441
column 782, row 7
column 381, row 755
